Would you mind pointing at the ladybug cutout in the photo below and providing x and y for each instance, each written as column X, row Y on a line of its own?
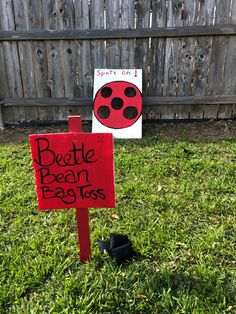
column 118, row 104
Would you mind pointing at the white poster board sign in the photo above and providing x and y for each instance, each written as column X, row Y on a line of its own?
column 117, row 102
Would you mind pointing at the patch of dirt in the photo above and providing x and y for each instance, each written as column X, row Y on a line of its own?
column 193, row 131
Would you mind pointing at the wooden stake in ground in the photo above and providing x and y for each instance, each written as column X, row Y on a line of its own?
column 82, row 214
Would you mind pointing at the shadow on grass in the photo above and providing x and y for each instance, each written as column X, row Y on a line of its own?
column 139, row 286
column 170, row 290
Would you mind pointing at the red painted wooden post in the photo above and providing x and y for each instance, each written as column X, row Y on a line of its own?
column 75, row 124
column 82, row 214
column 82, row 218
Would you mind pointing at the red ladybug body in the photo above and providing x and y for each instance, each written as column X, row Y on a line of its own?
column 118, row 104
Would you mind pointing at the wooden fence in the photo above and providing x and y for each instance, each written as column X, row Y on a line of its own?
column 49, row 49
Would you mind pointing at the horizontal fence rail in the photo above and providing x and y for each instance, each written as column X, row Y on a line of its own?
column 162, row 32
column 147, row 101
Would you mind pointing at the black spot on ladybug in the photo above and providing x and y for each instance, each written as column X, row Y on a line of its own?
column 130, row 92
column 117, row 103
column 103, row 112
column 130, row 112
column 106, row 92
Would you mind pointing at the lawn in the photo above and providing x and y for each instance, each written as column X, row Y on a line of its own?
column 176, row 200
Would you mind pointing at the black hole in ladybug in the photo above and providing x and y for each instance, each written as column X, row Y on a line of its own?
column 103, row 112
column 117, row 103
column 106, row 92
column 130, row 92
column 130, row 112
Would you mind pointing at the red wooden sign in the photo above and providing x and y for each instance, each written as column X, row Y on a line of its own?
column 73, row 170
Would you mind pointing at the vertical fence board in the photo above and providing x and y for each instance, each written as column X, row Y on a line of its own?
column 84, row 70
column 12, row 60
column 229, row 79
column 25, row 50
column 127, row 45
column 67, row 21
column 151, row 113
column 157, row 53
column 55, row 77
column 10, row 51
column 112, row 46
column 4, row 89
column 202, row 62
column 21, row 11
column 13, row 66
column 174, row 14
column 202, row 57
column 142, row 51
column 98, row 59
column 233, row 112
column 39, row 50
column 174, row 18
column 54, row 50
column 203, row 50
column 219, row 48
column 186, row 56
column 78, row 51
column 66, row 18
column 225, row 112
column 196, row 111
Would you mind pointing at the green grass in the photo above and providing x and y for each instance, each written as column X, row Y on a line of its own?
column 175, row 199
